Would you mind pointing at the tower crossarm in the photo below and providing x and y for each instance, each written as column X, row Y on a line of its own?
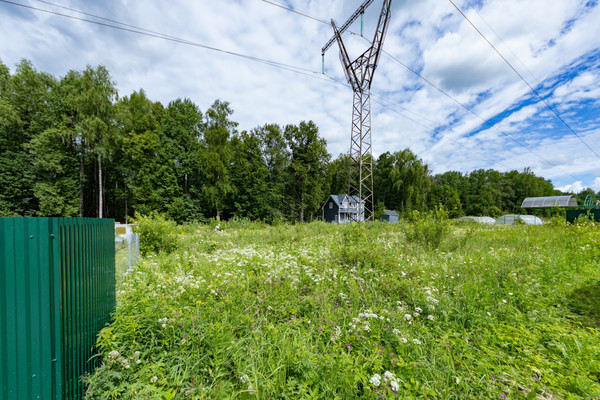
column 349, row 70
column 343, row 28
column 375, row 50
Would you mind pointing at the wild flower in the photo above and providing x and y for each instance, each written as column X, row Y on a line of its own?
column 416, row 341
column 244, row 378
column 407, row 317
column 153, row 379
column 430, row 317
column 113, row 355
column 375, row 380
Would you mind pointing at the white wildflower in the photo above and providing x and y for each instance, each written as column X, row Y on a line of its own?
column 416, row 341
column 419, row 309
column 375, row 380
column 430, row 317
column 407, row 317
column 394, row 385
column 244, row 378
column 153, row 379
column 403, row 340
column 387, row 375
column 113, row 354
column 396, row 331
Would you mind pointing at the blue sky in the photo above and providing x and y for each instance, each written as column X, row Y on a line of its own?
column 478, row 114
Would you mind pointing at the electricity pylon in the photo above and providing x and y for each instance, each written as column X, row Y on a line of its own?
column 359, row 74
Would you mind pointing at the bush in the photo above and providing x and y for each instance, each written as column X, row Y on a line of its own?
column 157, row 234
column 429, row 229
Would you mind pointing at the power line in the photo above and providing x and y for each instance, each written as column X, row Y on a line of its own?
column 437, row 88
column 296, row 12
column 146, row 32
column 379, row 100
column 485, row 121
column 525, row 81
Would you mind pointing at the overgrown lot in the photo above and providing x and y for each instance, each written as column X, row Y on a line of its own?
column 322, row 311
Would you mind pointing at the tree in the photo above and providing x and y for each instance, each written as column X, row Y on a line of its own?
column 307, row 170
column 56, row 161
column 181, row 134
column 276, row 157
column 149, row 176
column 216, row 155
column 338, row 172
column 446, row 196
column 249, row 175
column 94, row 104
column 410, row 180
column 24, row 113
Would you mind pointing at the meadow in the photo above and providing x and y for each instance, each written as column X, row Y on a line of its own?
column 427, row 309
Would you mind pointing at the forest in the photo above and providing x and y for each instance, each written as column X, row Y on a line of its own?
column 71, row 146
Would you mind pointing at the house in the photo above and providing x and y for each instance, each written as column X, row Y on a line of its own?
column 389, row 216
column 341, row 208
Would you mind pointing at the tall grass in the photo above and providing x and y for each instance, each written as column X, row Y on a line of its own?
column 321, row 311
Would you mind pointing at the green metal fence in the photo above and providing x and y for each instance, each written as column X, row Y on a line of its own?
column 572, row 215
column 57, row 290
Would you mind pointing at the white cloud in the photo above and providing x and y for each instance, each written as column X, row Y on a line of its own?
column 574, row 187
column 429, row 36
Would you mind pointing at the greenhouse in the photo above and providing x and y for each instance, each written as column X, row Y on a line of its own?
column 549, row 202
column 512, row 219
column 480, row 220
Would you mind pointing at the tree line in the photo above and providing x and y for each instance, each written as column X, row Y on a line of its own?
column 71, row 146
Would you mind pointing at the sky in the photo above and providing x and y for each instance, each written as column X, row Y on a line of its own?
column 522, row 94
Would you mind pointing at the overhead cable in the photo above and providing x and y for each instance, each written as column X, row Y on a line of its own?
column 525, row 81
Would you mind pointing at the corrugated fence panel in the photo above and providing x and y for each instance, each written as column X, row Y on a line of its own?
column 87, row 254
column 27, row 345
column 57, row 290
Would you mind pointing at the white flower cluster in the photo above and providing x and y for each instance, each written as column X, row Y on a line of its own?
column 244, row 378
column 391, row 379
column 388, row 377
column 336, row 334
column 163, row 322
column 375, row 380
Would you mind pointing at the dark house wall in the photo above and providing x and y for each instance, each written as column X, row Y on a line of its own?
column 330, row 214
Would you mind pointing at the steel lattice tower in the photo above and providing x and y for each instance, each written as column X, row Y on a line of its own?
column 359, row 74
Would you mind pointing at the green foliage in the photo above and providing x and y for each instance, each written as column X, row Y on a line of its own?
column 257, row 311
column 430, row 228
column 306, row 172
column 157, row 234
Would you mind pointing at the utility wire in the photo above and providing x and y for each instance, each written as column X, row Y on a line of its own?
column 146, row 32
column 379, row 100
column 501, row 39
column 434, row 86
column 297, row 12
column 485, row 121
column 525, row 81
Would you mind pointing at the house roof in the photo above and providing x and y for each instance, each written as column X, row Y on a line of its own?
column 339, row 199
column 391, row 213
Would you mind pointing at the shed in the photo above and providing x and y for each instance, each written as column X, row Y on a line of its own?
column 549, row 202
column 341, row 208
column 480, row 220
column 390, row 216
column 511, row 219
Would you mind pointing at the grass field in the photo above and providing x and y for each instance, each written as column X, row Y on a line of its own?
column 428, row 309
